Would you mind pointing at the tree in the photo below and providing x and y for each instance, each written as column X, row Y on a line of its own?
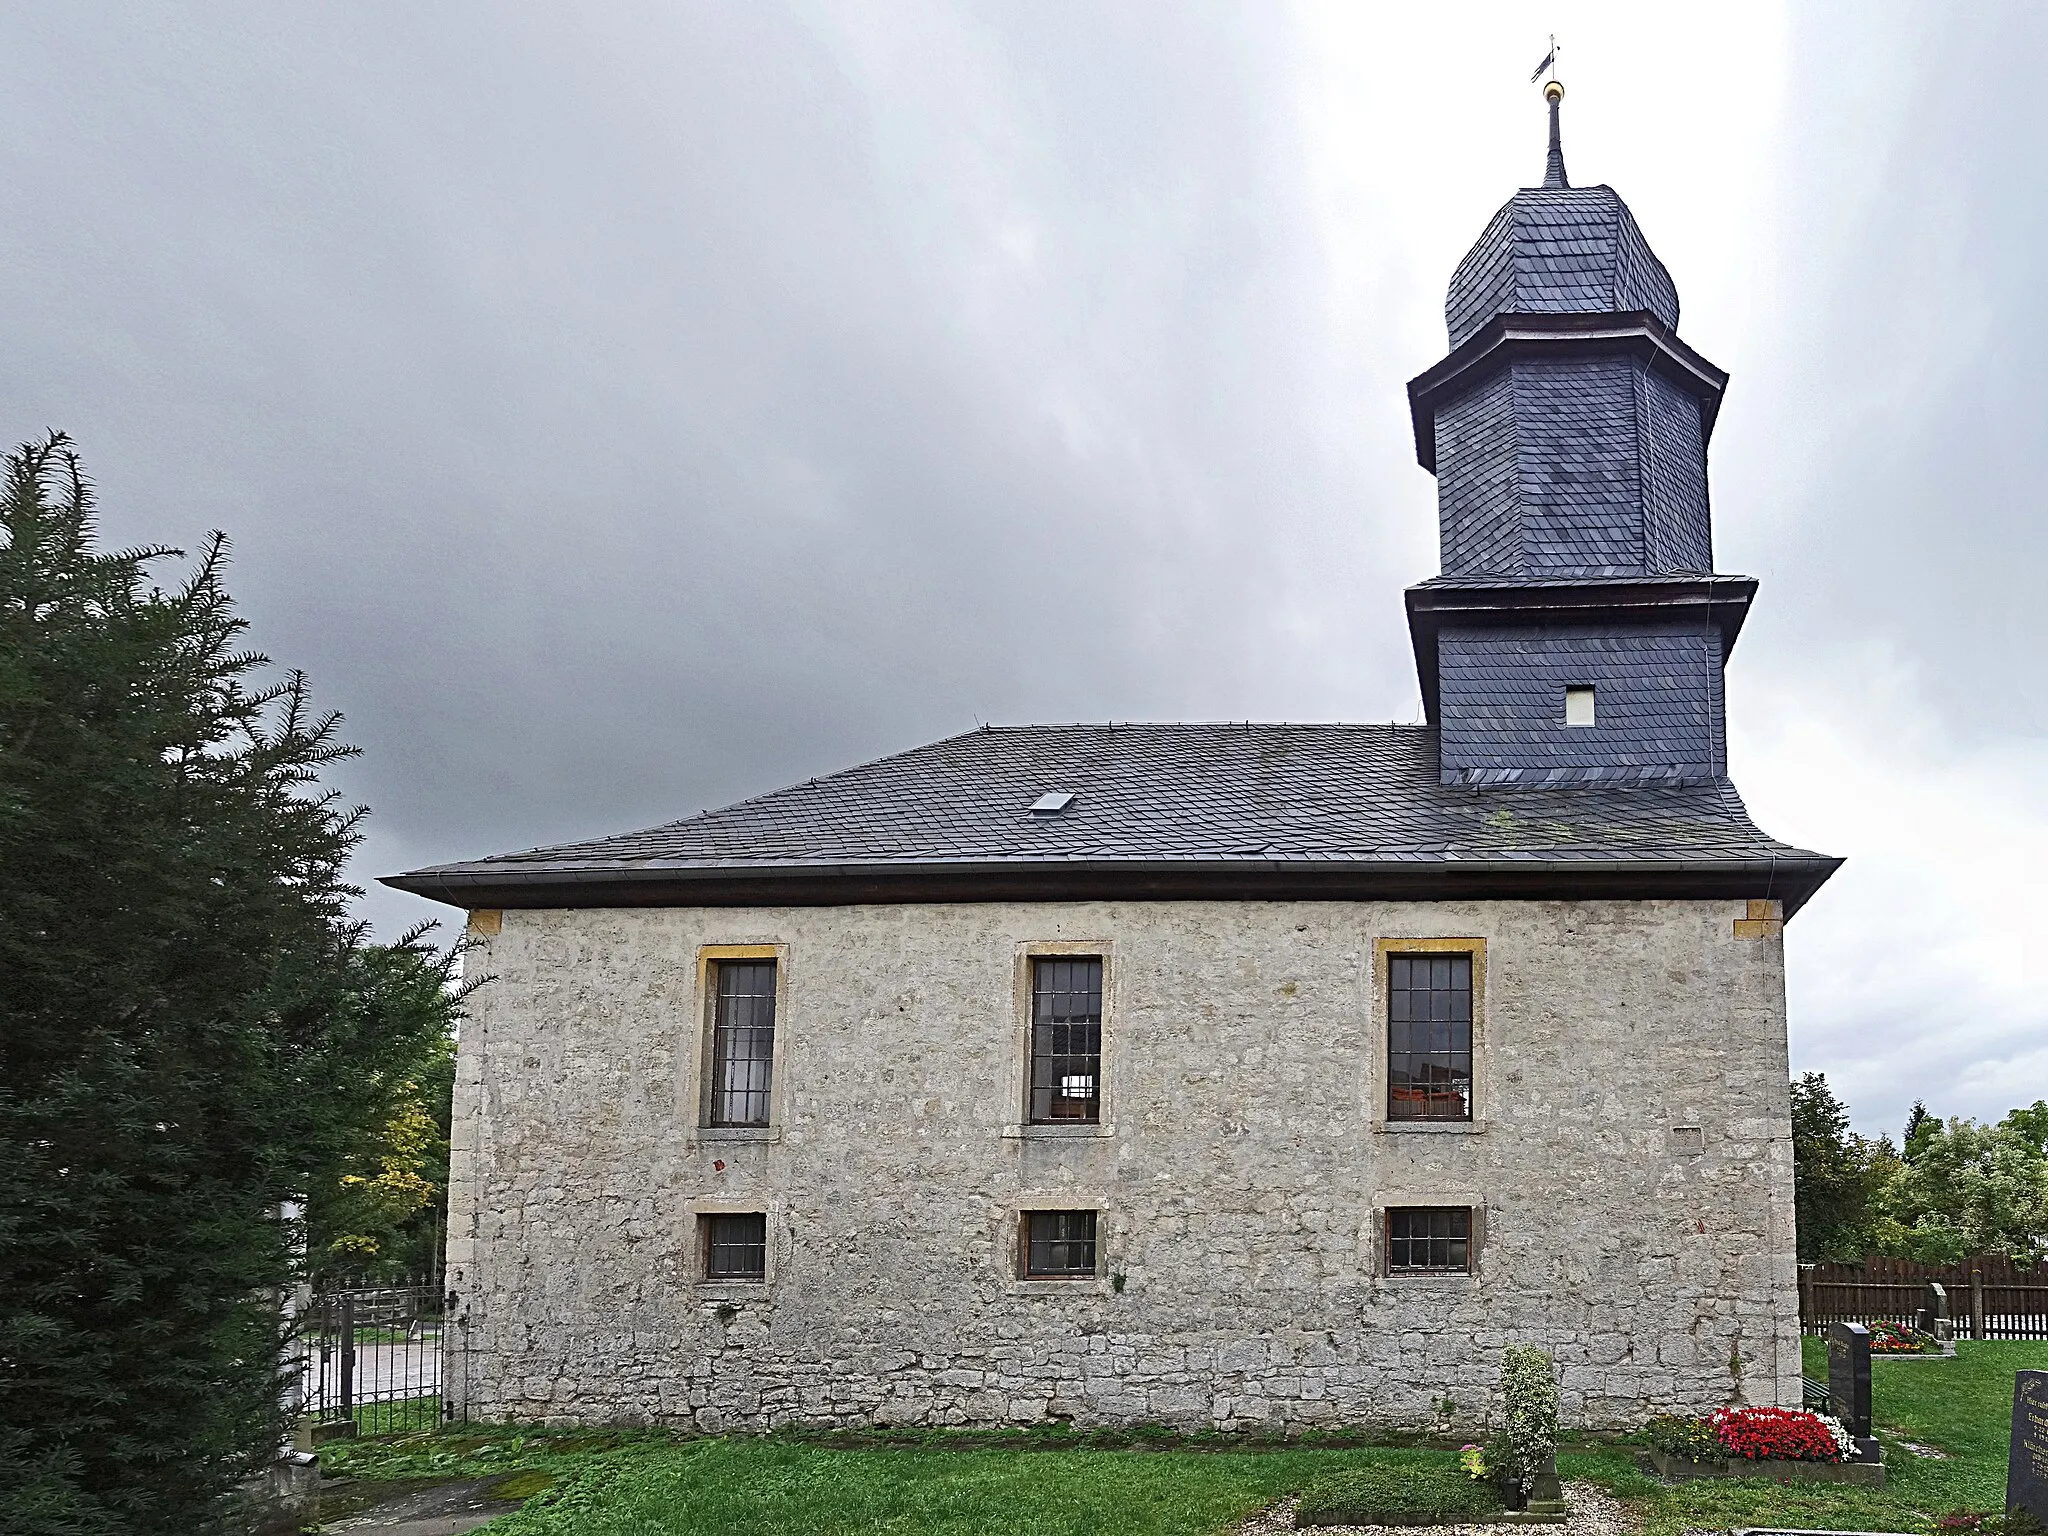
column 1967, row 1189
column 1836, row 1174
column 377, row 1213
column 191, row 1026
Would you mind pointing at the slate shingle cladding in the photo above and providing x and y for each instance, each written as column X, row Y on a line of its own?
column 1558, row 250
column 1571, row 456
column 1336, row 803
column 1587, row 466
column 1659, row 705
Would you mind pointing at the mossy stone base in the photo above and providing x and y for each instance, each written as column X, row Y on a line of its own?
column 1678, row 1469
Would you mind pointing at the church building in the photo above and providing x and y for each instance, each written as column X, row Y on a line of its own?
column 1246, row 1076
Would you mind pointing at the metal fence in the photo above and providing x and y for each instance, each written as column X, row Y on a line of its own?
column 370, row 1360
column 1988, row 1298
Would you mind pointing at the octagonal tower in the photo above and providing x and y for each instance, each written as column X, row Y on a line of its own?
column 1578, row 631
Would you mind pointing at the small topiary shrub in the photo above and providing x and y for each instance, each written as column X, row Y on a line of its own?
column 1415, row 1492
column 1527, row 1443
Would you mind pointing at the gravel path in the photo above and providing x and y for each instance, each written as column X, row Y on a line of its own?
column 1594, row 1512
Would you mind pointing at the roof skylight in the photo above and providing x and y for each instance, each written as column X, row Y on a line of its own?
column 1052, row 802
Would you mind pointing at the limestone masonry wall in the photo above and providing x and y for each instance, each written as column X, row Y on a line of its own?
column 1631, row 1157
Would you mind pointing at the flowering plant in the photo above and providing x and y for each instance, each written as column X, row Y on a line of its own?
column 1473, row 1459
column 1845, row 1443
column 1680, row 1434
column 1895, row 1339
column 1774, row 1434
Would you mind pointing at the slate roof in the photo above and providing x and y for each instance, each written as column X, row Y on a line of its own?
column 1558, row 250
column 1172, row 811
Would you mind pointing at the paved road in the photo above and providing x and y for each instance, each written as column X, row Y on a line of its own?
column 448, row 1510
column 383, row 1371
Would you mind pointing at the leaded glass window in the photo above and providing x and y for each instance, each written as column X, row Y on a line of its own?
column 742, row 1042
column 1429, row 1037
column 1066, row 1039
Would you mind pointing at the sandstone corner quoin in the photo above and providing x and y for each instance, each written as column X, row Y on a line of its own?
column 1247, row 1076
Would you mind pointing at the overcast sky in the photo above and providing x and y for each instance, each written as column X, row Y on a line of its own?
column 622, row 409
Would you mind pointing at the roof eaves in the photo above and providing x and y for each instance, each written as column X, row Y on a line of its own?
column 1415, row 874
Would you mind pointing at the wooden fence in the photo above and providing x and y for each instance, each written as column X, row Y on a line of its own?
column 1988, row 1298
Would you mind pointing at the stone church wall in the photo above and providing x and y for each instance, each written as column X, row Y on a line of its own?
column 1630, row 1156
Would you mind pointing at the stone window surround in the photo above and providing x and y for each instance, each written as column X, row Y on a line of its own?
column 1376, row 1055
column 1017, row 1125
column 1373, row 1239
column 731, row 1205
column 1008, row 1255
column 695, row 1093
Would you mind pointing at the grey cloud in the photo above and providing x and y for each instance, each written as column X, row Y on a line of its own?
column 621, row 410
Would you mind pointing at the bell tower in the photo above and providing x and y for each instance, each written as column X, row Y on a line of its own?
column 1578, row 631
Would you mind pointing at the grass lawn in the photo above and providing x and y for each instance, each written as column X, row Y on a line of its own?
column 627, row 1483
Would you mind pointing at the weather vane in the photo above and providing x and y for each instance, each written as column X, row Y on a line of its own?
column 1553, row 92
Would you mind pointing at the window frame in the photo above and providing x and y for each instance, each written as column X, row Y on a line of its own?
column 1377, row 1085
column 1017, row 1122
column 693, row 1238
column 698, row 1066
column 1418, row 1057
column 1037, row 965
column 708, row 1244
column 1027, row 1219
column 1388, row 1240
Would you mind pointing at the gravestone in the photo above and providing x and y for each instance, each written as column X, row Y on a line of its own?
column 1849, row 1383
column 1937, row 1303
column 2026, row 1467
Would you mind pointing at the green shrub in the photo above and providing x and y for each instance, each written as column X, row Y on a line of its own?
column 1680, row 1434
column 1406, row 1492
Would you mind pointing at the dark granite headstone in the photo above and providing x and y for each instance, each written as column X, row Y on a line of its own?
column 1849, row 1383
column 2026, row 1468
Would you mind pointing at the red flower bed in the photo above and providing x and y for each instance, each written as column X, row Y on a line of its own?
column 1773, row 1434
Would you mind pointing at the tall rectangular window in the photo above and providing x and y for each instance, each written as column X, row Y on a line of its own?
column 1066, row 1040
column 742, row 1041
column 736, row 1246
column 1429, row 1037
column 1059, row 1245
column 1429, row 1240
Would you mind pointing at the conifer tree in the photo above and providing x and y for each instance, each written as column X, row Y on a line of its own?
column 192, row 1030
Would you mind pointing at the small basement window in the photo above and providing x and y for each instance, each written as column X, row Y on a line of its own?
column 1059, row 1245
column 1429, row 1240
column 1578, row 704
column 735, row 1245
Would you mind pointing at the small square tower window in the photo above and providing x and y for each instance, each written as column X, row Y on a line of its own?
column 1578, row 704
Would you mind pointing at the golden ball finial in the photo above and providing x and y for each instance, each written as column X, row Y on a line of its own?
column 1553, row 91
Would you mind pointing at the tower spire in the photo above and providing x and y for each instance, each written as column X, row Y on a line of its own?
column 1553, row 168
